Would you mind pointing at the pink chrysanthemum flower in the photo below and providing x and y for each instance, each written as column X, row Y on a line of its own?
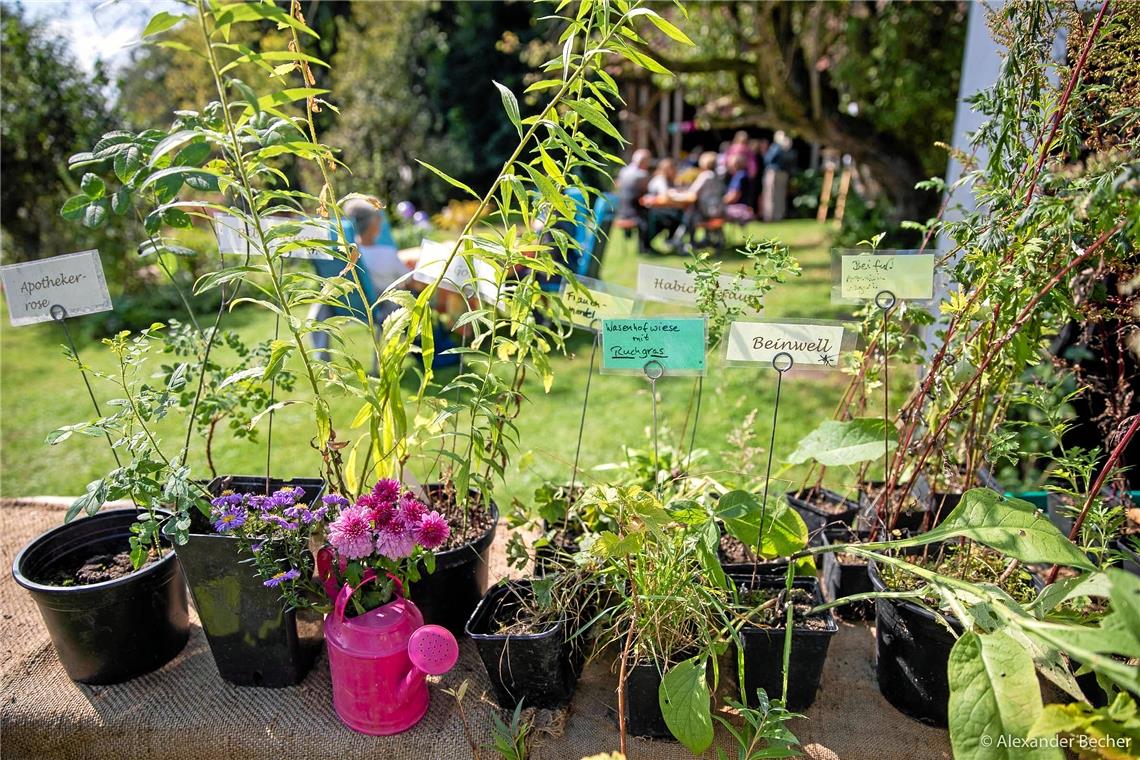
column 396, row 542
column 433, row 530
column 350, row 534
column 412, row 510
column 386, row 491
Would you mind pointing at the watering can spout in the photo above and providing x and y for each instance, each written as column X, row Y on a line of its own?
column 432, row 650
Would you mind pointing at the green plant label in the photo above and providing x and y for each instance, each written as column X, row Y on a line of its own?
column 668, row 345
column 238, row 238
column 74, row 281
column 600, row 301
column 672, row 285
column 909, row 276
column 810, row 344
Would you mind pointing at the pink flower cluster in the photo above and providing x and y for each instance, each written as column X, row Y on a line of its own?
column 387, row 522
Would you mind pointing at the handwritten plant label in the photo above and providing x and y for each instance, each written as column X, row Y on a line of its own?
column 74, row 281
column 598, row 302
column 677, row 344
column 230, row 230
column 809, row 344
column 672, row 285
column 909, row 276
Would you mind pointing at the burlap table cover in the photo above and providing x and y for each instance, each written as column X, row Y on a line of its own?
column 185, row 710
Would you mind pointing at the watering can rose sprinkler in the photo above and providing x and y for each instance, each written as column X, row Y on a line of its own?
column 381, row 657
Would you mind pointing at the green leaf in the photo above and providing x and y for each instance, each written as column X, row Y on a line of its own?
column 451, row 180
column 160, row 22
column 287, row 96
column 836, row 443
column 121, row 201
column 670, row 31
column 74, row 207
column 684, row 699
column 127, row 163
column 194, row 154
column 596, row 117
column 92, row 186
column 88, row 502
column 785, row 532
column 510, row 105
column 236, row 13
column 994, row 694
column 1012, row 526
column 95, row 215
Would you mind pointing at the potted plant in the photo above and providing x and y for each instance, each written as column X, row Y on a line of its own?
column 763, row 608
column 531, row 637
column 256, row 638
column 109, row 587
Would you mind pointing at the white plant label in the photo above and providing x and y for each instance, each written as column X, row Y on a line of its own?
column 232, row 243
column 74, row 281
column 458, row 277
column 906, row 276
column 816, row 345
column 672, row 285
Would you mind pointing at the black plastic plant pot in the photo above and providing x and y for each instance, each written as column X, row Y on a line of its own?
column 841, row 578
column 642, row 703
column 538, row 669
column 255, row 640
column 448, row 596
column 111, row 631
column 912, row 520
column 823, row 510
column 1131, row 561
column 764, row 650
column 912, row 648
column 548, row 557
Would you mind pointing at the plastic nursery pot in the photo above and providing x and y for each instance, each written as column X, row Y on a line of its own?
column 548, row 556
column 841, row 577
column 914, row 518
column 254, row 639
column 912, row 648
column 823, row 510
column 539, row 669
column 448, row 596
column 764, row 649
column 111, row 631
column 642, row 703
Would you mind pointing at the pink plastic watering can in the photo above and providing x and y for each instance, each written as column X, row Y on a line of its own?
column 379, row 661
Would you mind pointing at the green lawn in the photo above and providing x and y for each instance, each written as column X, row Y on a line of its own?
column 40, row 392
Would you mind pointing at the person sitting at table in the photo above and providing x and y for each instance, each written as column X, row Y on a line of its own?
column 662, row 217
column 631, row 184
column 703, row 200
column 736, row 204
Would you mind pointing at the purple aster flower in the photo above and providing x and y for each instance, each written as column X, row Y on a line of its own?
column 228, row 499
column 334, row 500
column 433, row 530
column 291, row 574
column 350, row 534
column 255, row 548
column 298, row 494
column 396, row 542
column 318, row 513
column 386, row 490
column 229, row 518
column 280, row 521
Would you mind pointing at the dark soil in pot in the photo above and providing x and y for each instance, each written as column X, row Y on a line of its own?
column 763, row 638
column 448, row 596
column 537, row 664
column 115, row 629
column 823, row 510
column 254, row 639
column 736, row 557
column 913, row 512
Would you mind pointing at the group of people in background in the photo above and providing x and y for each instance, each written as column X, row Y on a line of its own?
column 746, row 180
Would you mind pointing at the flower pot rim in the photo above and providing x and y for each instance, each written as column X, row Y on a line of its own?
column 161, row 565
column 494, row 595
column 803, row 581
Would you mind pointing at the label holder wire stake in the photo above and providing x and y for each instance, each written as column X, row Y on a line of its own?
column 885, row 300
column 654, row 370
column 781, row 362
column 59, row 316
column 596, row 324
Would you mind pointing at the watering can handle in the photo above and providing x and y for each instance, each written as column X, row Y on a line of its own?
column 347, row 590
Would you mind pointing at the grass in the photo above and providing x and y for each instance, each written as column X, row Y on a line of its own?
column 40, row 392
